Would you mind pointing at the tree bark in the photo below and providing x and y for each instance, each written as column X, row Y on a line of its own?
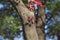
column 30, row 28
column 58, row 35
column 40, row 23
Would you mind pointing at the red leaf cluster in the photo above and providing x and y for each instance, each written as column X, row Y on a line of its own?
column 31, row 6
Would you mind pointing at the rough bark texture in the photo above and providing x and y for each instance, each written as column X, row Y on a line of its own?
column 30, row 31
column 40, row 23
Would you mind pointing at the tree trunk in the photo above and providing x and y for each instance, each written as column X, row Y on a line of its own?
column 29, row 27
column 40, row 23
column 58, row 35
column 11, row 38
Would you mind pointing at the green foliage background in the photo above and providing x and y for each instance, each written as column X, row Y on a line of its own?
column 12, row 23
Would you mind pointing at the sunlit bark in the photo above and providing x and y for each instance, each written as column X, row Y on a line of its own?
column 30, row 28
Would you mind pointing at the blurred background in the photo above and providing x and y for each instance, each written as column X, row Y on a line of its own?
column 11, row 25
